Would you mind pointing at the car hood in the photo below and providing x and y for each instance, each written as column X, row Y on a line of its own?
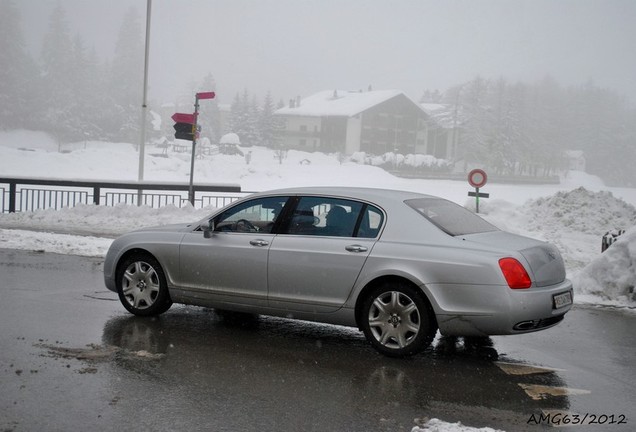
column 545, row 261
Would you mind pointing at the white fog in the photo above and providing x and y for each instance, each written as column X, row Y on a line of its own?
column 539, row 93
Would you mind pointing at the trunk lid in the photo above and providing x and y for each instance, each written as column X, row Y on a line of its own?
column 545, row 261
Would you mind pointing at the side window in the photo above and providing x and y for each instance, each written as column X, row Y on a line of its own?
column 370, row 223
column 258, row 215
column 334, row 217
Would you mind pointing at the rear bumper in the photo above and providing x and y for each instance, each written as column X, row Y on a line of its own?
column 480, row 310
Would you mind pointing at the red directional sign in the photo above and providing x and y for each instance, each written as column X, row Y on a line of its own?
column 184, row 118
column 206, row 95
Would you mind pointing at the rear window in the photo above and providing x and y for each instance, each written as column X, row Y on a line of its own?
column 450, row 217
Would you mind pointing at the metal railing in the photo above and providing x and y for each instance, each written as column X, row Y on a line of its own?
column 28, row 194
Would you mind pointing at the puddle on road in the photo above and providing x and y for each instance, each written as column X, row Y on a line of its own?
column 98, row 353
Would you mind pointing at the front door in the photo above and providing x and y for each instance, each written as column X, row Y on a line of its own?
column 231, row 265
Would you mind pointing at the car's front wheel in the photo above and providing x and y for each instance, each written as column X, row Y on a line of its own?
column 141, row 285
column 397, row 319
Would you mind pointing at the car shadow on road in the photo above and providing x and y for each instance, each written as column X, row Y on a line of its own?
column 201, row 344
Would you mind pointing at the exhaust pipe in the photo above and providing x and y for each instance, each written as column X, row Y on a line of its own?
column 525, row 325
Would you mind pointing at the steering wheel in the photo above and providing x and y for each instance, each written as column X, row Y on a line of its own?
column 243, row 225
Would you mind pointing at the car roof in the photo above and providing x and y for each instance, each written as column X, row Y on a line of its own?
column 376, row 195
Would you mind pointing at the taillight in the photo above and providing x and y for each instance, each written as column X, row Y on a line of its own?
column 515, row 274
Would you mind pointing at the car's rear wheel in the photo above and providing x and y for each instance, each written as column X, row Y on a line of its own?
column 397, row 319
column 142, row 286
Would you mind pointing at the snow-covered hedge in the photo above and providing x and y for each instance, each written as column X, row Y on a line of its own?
column 390, row 160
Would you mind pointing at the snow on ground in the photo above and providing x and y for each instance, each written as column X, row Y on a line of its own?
column 574, row 215
column 436, row 425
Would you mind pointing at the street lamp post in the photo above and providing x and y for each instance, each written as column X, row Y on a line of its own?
column 144, row 104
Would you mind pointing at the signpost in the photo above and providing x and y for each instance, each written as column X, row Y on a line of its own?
column 206, row 95
column 184, row 118
column 186, row 128
column 477, row 178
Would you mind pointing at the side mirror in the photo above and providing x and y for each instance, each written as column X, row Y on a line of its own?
column 208, row 231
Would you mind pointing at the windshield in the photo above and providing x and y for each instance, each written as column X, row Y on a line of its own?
column 450, row 217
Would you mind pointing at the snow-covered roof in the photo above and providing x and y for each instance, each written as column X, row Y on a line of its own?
column 443, row 115
column 575, row 153
column 339, row 103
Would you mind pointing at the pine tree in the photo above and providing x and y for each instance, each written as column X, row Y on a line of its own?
column 209, row 116
column 57, row 72
column 473, row 140
column 85, row 92
column 126, row 78
column 241, row 123
column 236, row 115
column 18, row 73
column 267, row 122
column 254, row 136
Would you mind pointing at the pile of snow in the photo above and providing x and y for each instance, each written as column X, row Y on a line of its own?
column 612, row 276
column 89, row 219
column 230, row 138
column 54, row 243
column 581, row 211
column 575, row 221
column 436, row 425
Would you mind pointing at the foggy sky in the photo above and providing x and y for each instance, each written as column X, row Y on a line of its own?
column 299, row 47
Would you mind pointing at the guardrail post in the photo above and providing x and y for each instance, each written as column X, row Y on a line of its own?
column 12, row 193
column 96, row 192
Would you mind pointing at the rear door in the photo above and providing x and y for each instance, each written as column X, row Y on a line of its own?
column 315, row 262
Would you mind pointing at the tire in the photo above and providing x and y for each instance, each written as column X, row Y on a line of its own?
column 397, row 319
column 142, row 286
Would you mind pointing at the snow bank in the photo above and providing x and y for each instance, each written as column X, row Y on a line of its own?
column 436, row 425
column 612, row 276
column 54, row 243
column 101, row 220
column 574, row 221
column 582, row 211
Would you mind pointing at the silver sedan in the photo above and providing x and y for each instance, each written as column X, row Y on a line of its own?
column 397, row 265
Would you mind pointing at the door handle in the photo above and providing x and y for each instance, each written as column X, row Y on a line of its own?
column 259, row 242
column 356, row 248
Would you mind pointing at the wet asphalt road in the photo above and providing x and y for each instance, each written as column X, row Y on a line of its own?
column 72, row 359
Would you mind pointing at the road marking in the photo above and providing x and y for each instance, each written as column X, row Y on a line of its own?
column 524, row 369
column 539, row 392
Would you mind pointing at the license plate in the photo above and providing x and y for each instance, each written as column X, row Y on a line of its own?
column 561, row 300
